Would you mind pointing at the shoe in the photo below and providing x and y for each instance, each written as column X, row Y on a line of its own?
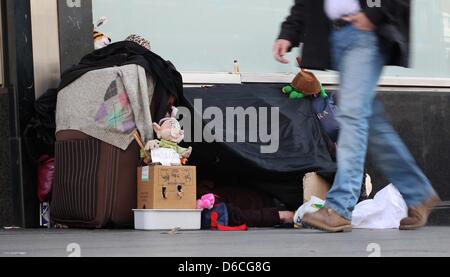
column 327, row 220
column 418, row 216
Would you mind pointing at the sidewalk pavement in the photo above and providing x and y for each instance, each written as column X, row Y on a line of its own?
column 430, row 241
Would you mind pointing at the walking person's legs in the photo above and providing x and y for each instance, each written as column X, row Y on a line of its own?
column 397, row 164
column 357, row 56
column 360, row 64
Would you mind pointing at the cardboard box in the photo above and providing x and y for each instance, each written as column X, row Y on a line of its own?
column 314, row 185
column 167, row 187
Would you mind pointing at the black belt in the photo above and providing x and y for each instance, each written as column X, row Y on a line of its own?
column 340, row 23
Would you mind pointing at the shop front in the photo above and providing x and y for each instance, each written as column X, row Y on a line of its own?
column 210, row 42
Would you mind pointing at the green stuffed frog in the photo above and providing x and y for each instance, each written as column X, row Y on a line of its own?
column 294, row 94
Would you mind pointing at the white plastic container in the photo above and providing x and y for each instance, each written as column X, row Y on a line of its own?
column 167, row 219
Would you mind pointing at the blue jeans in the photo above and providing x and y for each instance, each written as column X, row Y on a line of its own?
column 356, row 55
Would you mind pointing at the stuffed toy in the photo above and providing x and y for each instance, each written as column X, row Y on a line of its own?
column 100, row 39
column 139, row 40
column 169, row 135
column 217, row 218
column 304, row 84
column 206, row 202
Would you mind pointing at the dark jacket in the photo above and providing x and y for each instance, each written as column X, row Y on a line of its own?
column 309, row 24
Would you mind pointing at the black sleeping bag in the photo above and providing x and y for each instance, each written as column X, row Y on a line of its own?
column 303, row 146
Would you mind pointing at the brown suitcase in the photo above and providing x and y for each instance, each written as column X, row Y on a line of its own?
column 95, row 182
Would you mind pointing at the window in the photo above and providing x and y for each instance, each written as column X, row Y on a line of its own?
column 206, row 36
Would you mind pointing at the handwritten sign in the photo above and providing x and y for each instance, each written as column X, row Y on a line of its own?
column 166, row 157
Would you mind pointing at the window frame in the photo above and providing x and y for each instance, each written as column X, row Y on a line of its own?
column 327, row 78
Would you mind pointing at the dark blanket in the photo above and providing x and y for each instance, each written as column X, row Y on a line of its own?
column 168, row 80
column 303, row 146
column 245, row 206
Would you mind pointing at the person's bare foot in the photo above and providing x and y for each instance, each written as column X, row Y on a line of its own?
column 287, row 217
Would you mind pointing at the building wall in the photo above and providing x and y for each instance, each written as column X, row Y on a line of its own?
column 422, row 118
column 18, row 201
column 6, row 199
column 75, row 32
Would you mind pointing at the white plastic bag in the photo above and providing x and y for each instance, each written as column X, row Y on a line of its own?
column 309, row 207
column 385, row 211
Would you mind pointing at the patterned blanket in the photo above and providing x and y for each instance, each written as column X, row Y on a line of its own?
column 108, row 104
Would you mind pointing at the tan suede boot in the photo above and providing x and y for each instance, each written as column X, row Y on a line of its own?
column 327, row 220
column 418, row 216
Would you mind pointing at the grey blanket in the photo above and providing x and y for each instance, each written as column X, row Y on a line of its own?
column 108, row 104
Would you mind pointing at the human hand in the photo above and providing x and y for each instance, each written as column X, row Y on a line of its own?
column 287, row 217
column 280, row 48
column 361, row 22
